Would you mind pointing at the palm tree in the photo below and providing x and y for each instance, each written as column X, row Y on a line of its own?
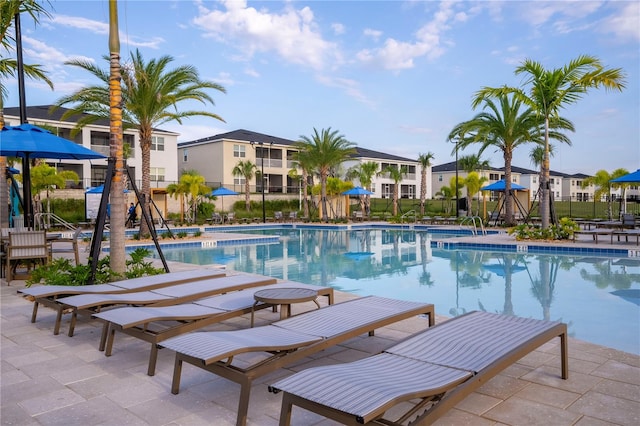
column 328, row 149
column 117, row 259
column 9, row 9
column 473, row 182
column 305, row 162
column 192, row 185
column 425, row 163
column 364, row 173
column 602, row 181
column 549, row 91
column 396, row 175
column 506, row 127
column 471, row 164
column 47, row 178
column 247, row 170
column 151, row 93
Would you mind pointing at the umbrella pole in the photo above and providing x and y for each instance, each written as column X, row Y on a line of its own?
column 26, row 191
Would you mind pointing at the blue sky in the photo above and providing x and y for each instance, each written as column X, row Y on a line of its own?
column 393, row 76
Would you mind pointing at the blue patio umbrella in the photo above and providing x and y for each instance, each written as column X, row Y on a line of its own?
column 27, row 141
column 630, row 178
column 357, row 190
column 221, row 192
column 501, row 186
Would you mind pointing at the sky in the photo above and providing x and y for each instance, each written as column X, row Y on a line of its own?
column 392, row 76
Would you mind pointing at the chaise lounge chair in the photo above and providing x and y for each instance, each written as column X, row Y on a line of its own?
column 156, row 324
column 48, row 295
column 164, row 296
column 285, row 341
column 439, row 367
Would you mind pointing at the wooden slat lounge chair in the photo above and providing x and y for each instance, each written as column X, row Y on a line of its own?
column 156, row 324
column 25, row 247
column 439, row 367
column 164, row 296
column 285, row 341
column 48, row 295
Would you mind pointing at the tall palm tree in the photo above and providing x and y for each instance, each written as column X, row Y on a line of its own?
column 9, row 68
column 151, row 93
column 328, row 149
column 549, row 91
column 247, row 170
column 425, row 163
column 117, row 259
column 364, row 173
column 506, row 127
column 396, row 175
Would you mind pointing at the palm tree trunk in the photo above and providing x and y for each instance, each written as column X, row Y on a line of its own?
column 508, row 198
column 247, row 197
column 423, row 189
column 305, row 188
column 545, row 208
column 323, row 196
column 117, row 219
column 145, row 147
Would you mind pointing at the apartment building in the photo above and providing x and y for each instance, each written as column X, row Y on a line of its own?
column 215, row 157
column 96, row 137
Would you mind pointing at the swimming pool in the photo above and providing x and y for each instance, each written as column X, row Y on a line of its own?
column 597, row 297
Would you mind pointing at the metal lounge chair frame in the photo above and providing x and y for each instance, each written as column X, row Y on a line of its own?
column 149, row 323
column 166, row 296
column 286, row 341
column 439, row 367
column 49, row 295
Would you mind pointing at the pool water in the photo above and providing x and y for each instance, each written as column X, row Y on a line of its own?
column 598, row 298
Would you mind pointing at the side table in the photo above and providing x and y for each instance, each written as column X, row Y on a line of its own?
column 284, row 297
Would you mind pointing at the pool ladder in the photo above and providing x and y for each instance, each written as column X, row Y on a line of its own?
column 410, row 213
column 472, row 223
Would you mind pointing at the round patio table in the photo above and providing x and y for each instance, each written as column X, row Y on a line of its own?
column 284, row 297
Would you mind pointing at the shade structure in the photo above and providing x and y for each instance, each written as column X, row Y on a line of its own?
column 630, row 178
column 221, row 192
column 357, row 190
column 27, row 141
column 501, row 186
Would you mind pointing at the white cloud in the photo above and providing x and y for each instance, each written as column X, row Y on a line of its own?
column 102, row 28
column 350, row 87
column 398, row 55
column 625, row 24
column 251, row 72
column 374, row 34
column 338, row 29
column 292, row 34
column 48, row 56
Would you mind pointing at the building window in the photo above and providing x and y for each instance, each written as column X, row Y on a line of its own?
column 238, row 151
column 494, row 176
column 185, row 156
column 239, row 180
column 157, row 143
column 440, row 178
column 156, row 174
column 534, row 179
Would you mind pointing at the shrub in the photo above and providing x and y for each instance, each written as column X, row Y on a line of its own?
column 563, row 231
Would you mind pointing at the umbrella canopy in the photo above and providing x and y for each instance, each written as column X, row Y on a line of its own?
column 631, row 177
column 222, row 191
column 27, row 141
column 501, row 186
column 357, row 190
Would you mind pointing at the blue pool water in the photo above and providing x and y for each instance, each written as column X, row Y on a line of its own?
column 597, row 297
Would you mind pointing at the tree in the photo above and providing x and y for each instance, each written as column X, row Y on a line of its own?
column 117, row 259
column 473, row 182
column 364, row 173
column 602, row 181
column 506, row 127
column 192, row 186
column 47, row 178
column 151, row 96
column 328, row 149
column 305, row 162
column 425, row 163
column 246, row 170
column 396, row 175
column 549, row 91
column 9, row 9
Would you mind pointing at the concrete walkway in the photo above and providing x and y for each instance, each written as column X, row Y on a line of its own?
column 61, row 380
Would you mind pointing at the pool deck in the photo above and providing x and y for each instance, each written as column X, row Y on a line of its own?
column 55, row 380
